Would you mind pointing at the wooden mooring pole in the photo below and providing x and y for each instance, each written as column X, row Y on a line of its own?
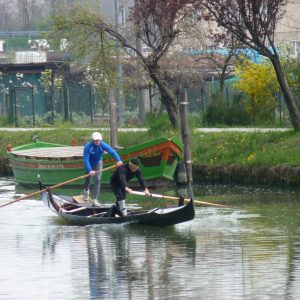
column 185, row 134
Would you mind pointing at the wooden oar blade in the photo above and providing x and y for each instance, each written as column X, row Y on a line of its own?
column 21, row 198
column 210, row 204
column 177, row 198
column 154, row 195
column 56, row 186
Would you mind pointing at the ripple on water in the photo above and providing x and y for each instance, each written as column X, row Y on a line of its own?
column 221, row 254
column 7, row 188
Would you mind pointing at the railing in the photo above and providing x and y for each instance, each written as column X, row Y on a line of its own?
column 22, row 33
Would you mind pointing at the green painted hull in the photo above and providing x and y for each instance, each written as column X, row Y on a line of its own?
column 158, row 158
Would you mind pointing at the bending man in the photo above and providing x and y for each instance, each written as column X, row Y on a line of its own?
column 119, row 182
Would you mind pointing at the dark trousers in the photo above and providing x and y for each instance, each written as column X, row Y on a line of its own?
column 119, row 192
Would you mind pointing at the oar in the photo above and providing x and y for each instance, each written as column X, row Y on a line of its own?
column 56, row 186
column 177, row 198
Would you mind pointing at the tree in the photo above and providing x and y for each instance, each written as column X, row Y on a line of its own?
column 209, row 44
column 8, row 16
column 155, row 22
column 158, row 23
column 25, row 13
column 258, row 82
column 253, row 23
column 86, row 44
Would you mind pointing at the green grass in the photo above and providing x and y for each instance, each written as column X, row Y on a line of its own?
column 249, row 149
column 224, row 148
column 65, row 135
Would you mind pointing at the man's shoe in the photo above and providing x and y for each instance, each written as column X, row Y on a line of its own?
column 122, row 207
column 96, row 203
column 86, row 196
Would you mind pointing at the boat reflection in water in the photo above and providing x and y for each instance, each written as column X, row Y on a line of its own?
column 123, row 262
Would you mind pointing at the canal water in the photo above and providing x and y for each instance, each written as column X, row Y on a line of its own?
column 248, row 251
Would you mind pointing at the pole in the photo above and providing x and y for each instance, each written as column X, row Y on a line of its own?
column 113, row 118
column 120, row 96
column 202, row 102
column 91, row 105
column 56, row 186
column 10, row 103
column 70, row 101
column 185, row 134
column 15, row 106
column 52, row 96
column 177, row 198
column 66, row 100
column 33, row 109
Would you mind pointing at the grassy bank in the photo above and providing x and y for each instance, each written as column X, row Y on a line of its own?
column 247, row 149
column 64, row 136
column 272, row 157
column 255, row 158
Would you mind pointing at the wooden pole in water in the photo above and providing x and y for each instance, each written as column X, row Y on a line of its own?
column 185, row 134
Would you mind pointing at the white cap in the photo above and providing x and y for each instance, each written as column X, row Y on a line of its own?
column 97, row 136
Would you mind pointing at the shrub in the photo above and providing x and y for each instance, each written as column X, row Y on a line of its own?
column 158, row 123
column 234, row 113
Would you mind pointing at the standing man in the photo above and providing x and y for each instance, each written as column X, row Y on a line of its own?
column 92, row 158
column 119, row 182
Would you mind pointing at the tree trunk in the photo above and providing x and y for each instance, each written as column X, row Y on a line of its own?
column 25, row 14
column 222, row 80
column 167, row 98
column 119, row 71
column 223, row 74
column 288, row 97
column 140, row 81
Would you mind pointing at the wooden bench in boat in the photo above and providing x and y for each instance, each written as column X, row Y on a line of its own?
column 51, row 153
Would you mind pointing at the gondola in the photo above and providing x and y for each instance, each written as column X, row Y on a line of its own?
column 76, row 213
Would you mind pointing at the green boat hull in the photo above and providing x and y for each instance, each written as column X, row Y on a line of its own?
column 158, row 159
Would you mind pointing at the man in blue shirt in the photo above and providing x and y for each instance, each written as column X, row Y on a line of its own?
column 92, row 158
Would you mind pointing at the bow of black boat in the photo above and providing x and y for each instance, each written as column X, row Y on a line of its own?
column 75, row 213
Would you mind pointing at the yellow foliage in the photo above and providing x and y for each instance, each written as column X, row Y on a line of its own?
column 258, row 81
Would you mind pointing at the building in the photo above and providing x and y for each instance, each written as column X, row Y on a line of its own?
column 288, row 29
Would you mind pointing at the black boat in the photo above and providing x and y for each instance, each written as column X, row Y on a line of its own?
column 73, row 212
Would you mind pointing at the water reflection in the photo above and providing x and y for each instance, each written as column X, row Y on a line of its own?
column 124, row 262
column 252, row 252
column 98, row 271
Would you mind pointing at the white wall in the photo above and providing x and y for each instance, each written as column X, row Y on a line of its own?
column 2, row 45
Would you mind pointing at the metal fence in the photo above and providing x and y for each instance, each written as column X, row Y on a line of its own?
column 30, row 104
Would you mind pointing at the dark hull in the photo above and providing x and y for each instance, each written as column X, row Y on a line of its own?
column 81, row 215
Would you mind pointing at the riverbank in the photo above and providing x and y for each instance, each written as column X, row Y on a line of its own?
column 265, row 157
column 245, row 156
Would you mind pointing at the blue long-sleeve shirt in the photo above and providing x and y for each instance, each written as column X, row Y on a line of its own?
column 92, row 154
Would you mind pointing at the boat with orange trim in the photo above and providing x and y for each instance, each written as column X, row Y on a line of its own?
column 54, row 163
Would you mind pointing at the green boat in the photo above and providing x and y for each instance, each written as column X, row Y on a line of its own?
column 55, row 163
